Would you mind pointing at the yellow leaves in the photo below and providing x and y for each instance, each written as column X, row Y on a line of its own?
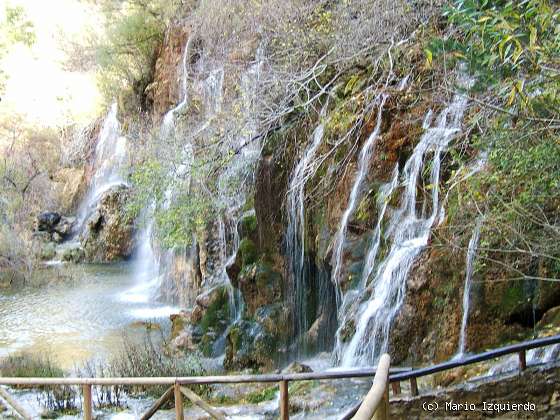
column 532, row 39
column 351, row 83
column 429, row 57
column 516, row 89
column 505, row 46
column 511, row 96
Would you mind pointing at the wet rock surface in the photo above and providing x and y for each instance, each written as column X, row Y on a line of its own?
column 47, row 221
column 109, row 232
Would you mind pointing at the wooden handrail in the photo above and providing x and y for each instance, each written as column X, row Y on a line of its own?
column 395, row 375
column 519, row 348
column 159, row 403
column 376, row 403
column 476, row 358
column 200, row 380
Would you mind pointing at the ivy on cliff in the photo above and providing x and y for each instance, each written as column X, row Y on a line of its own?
column 512, row 50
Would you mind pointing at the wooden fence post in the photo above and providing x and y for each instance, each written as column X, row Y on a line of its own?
column 382, row 412
column 178, row 402
column 88, row 408
column 196, row 400
column 157, row 405
column 396, row 387
column 413, row 387
column 13, row 404
column 522, row 360
column 284, row 401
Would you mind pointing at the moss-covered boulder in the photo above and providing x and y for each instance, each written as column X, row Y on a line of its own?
column 205, row 324
column 249, row 345
column 260, row 285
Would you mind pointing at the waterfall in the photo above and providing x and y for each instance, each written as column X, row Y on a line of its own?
column 385, row 193
column 148, row 263
column 363, row 165
column 109, row 163
column 146, row 269
column 295, row 234
column 408, row 232
column 238, row 171
column 471, row 255
column 351, row 297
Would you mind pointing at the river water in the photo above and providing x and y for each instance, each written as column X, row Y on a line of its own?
column 82, row 314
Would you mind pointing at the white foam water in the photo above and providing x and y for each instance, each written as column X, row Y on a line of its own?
column 408, row 232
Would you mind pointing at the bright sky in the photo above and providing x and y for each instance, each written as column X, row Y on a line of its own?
column 38, row 86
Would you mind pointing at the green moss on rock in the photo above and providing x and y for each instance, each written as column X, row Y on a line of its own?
column 248, row 251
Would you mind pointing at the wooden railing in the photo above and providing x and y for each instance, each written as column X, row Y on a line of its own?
column 411, row 375
column 177, row 385
column 376, row 403
column 177, row 388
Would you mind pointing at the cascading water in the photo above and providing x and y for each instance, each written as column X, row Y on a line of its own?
column 351, row 297
column 239, row 171
column 110, row 160
column 385, row 193
column 363, row 165
column 471, row 255
column 408, row 232
column 145, row 270
column 534, row 357
column 295, row 234
column 147, row 262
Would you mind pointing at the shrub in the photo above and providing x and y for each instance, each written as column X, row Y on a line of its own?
column 55, row 398
column 148, row 358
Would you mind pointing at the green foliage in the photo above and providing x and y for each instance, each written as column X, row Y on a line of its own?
column 530, row 170
column 265, row 394
column 126, row 53
column 248, row 252
column 59, row 399
column 178, row 217
column 248, row 225
column 18, row 28
column 185, row 216
column 149, row 178
column 512, row 46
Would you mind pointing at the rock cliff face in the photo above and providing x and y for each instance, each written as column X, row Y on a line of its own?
column 427, row 325
column 71, row 183
column 163, row 90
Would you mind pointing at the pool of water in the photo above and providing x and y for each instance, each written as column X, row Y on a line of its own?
column 83, row 317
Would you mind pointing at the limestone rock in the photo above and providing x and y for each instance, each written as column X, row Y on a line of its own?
column 249, row 345
column 71, row 187
column 64, row 226
column 109, row 231
column 296, row 367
